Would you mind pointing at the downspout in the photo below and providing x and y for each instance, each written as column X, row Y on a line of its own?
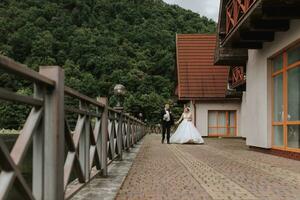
column 195, row 111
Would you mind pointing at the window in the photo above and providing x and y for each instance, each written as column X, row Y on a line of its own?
column 222, row 123
column 286, row 100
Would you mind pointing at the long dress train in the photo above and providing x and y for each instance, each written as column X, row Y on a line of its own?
column 186, row 131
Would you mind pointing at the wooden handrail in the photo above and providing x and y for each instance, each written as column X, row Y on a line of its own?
column 16, row 68
column 100, row 136
column 11, row 96
column 71, row 92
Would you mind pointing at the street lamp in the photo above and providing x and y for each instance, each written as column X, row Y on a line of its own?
column 119, row 92
column 141, row 116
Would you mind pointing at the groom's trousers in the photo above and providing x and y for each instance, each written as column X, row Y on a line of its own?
column 166, row 129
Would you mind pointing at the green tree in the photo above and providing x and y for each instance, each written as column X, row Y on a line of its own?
column 100, row 43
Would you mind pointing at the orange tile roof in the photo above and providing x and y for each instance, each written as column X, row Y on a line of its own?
column 197, row 76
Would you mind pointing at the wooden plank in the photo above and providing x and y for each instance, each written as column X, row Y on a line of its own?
column 84, row 144
column 14, row 97
column 104, row 132
column 38, row 152
column 78, row 130
column 82, row 112
column 227, row 41
column 112, row 138
column 21, row 146
column 11, row 173
column 7, row 174
column 119, row 137
column 72, row 160
column 13, row 67
column 71, row 92
column 54, row 129
column 68, row 137
column 98, row 138
column 6, row 182
column 113, row 110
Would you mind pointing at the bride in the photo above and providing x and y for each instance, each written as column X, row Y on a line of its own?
column 186, row 131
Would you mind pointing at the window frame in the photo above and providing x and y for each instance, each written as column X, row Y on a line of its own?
column 227, row 127
column 285, row 123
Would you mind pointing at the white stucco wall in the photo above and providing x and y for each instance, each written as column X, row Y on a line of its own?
column 202, row 109
column 243, row 115
column 256, row 107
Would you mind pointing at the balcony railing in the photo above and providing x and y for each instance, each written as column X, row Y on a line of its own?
column 235, row 11
column 238, row 76
column 97, row 138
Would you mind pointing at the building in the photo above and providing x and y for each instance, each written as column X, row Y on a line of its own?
column 262, row 39
column 216, row 112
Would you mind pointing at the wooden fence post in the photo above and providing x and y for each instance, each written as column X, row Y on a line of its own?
column 54, row 134
column 128, row 138
column 120, row 136
column 84, row 143
column 104, row 132
column 38, row 160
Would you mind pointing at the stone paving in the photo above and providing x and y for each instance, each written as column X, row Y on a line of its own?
column 106, row 188
column 219, row 169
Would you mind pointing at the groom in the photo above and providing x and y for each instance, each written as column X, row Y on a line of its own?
column 167, row 121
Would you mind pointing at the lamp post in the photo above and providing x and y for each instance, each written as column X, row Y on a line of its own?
column 119, row 92
column 141, row 116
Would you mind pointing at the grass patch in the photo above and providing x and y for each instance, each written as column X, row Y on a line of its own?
column 9, row 132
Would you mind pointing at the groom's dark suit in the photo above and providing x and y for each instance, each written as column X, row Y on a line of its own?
column 166, row 125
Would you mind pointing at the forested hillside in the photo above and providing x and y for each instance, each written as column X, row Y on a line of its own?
column 100, row 43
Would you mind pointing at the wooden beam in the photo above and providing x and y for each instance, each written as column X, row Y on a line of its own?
column 257, row 36
column 16, row 68
column 230, row 56
column 269, row 25
column 244, row 21
column 281, row 11
column 11, row 174
column 14, row 97
column 24, row 140
column 104, row 132
column 73, row 93
column 264, row 18
column 54, row 137
column 248, row 45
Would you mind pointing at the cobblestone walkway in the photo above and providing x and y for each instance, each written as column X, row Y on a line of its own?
column 220, row 169
column 106, row 188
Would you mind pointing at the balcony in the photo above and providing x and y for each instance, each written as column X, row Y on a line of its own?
column 235, row 11
column 247, row 24
column 238, row 77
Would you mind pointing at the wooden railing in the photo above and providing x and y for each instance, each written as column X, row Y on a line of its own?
column 155, row 129
column 98, row 136
column 238, row 76
column 235, row 11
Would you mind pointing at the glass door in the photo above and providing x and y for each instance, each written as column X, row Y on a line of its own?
column 286, row 100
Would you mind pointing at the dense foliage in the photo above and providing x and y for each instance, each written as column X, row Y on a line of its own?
column 100, row 43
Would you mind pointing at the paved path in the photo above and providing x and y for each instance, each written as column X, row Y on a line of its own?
column 106, row 188
column 220, row 169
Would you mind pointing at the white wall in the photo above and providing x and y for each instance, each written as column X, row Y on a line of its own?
column 256, row 107
column 243, row 117
column 202, row 109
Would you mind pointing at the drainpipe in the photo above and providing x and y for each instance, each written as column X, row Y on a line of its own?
column 195, row 111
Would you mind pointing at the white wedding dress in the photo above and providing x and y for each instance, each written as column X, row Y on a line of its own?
column 186, row 131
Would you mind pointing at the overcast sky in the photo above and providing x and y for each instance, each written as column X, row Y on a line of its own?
column 208, row 8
